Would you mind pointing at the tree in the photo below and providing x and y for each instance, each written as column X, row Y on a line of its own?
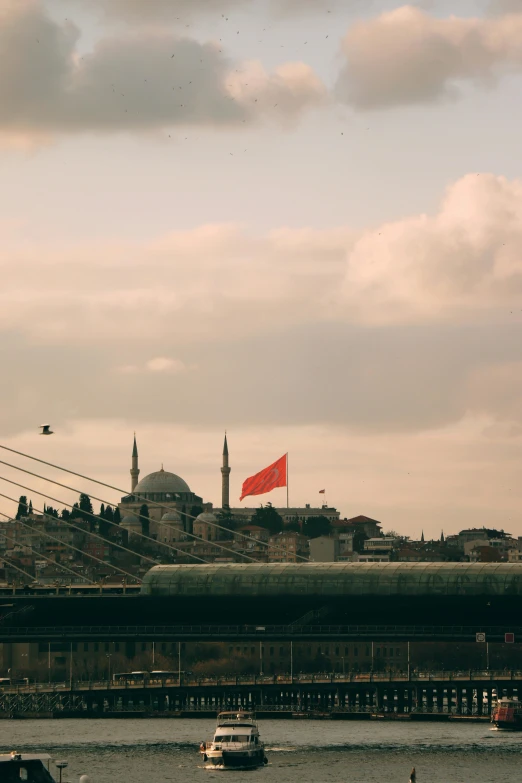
column 144, row 519
column 294, row 526
column 313, row 527
column 86, row 510
column 109, row 514
column 103, row 527
column 65, row 515
column 22, row 507
column 225, row 519
column 116, row 516
column 30, row 509
column 267, row 517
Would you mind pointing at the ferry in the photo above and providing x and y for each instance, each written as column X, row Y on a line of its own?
column 507, row 714
column 29, row 767
column 236, row 743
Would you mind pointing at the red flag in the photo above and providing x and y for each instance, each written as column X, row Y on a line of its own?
column 266, row 480
column 322, row 491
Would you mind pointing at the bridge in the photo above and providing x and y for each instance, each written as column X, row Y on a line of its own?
column 257, row 633
column 435, row 694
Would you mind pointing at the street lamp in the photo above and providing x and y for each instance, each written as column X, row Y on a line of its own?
column 343, row 664
column 61, row 766
column 109, row 655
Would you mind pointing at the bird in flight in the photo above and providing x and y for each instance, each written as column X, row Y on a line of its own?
column 46, row 429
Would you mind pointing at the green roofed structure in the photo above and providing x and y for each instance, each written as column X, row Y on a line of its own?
column 335, row 580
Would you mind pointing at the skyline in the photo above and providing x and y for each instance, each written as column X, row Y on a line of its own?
column 321, row 255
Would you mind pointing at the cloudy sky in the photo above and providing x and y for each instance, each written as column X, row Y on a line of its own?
column 296, row 220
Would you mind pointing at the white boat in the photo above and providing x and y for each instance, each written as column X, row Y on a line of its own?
column 28, row 767
column 236, row 743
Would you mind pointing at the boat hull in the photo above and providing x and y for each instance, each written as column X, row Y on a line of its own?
column 507, row 716
column 235, row 760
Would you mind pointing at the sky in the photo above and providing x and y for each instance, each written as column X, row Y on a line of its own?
column 299, row 221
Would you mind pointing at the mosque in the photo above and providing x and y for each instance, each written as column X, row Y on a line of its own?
column 171, row 503
column 175, row 510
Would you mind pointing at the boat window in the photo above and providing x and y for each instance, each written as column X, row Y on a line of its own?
column 223, row 738
column 241, row 738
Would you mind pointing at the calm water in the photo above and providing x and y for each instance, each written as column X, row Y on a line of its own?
column 139, row 751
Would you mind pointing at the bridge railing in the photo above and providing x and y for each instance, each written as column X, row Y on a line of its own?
column 266, row 631
column 362, row 679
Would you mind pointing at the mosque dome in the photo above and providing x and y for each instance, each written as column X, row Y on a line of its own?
column 161, row 482
column 208, row 517
column 171, row 516
column 130, row 522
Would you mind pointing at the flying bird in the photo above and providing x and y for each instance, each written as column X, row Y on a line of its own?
column 46, row 429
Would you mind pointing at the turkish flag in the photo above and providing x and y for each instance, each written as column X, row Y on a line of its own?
column 266, row 480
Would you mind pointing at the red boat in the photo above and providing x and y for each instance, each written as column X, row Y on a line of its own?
column 507, row 714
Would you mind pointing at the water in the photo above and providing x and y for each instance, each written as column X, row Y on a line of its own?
column 143, row 751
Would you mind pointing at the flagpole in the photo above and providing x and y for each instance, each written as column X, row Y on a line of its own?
column 287, row 502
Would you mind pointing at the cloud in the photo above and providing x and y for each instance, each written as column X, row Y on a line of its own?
column 384, row 330
column 505, row 6
column 460, row 263
column 182, row 10
column 164, row 364
column 137, row 81
column 407, row 56
column 160, row 364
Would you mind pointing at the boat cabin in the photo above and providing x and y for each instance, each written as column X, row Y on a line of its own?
column 236, row 728
column 25, row 768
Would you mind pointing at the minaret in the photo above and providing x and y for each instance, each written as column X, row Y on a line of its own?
column 225, row 477
column 134, row 471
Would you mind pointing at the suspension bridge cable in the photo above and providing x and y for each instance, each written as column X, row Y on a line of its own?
column 117, row 568
column 39, row 554
column 140, row 516
column 273, row 547
column 12, row 565
column 94, row 535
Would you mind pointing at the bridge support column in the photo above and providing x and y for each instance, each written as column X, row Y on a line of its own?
column 490, row 699
column 458, row 699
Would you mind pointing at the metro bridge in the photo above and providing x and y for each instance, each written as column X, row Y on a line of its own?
column 310, row 600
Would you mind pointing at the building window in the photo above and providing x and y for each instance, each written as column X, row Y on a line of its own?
column 378, row 652
column 356, row 651
column 86, row 646
column 281, row 652
column 271, row 651
column 252, row 650
column 96, row 647
column 143, row 646
column 346, row 651
column 397, row 653
column 106, row 646
column 337, row 651
column 59, row 660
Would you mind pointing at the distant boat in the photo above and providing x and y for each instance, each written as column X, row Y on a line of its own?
column 236, row 743
column 507, row 714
